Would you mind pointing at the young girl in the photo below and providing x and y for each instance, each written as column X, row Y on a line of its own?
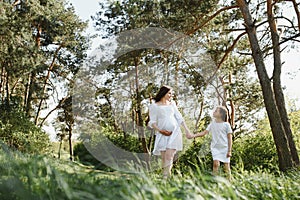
column 221, row 144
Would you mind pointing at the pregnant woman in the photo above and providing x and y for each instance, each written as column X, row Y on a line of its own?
column 166, row 120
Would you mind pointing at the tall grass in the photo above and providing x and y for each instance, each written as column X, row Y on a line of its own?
column 39, row 177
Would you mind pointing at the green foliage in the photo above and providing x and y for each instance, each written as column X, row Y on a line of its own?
column 115, row 17
column 18, row 132
column 198, row 155
column 262, row 185
column 256, row 151
column 24, row 177
column 295, row 125
column 28, row 177
column 251, row 152
column 126, row 142
column 82, row 155
column 41, row 42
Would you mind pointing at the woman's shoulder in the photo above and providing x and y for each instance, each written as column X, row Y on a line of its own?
column 154, row 105
column 173, row 103
column 157, row 104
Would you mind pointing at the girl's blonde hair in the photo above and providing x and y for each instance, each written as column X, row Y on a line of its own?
column 224, row 113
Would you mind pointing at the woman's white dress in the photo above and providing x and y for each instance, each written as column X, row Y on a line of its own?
column 219, row 142
column 166, row 117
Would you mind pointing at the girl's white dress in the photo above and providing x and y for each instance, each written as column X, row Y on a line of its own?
column 219, row 142
column 166, row 117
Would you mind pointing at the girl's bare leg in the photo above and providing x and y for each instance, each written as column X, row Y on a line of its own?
column 227, row 170
column 216, row 166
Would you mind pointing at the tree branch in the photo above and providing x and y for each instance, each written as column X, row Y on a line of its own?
column 46, row 80
column 54, row 109
column 290, row 38
column 204, row 23
column 278, row 17
column 210, row 18
column 229, row 50
column 295, row 5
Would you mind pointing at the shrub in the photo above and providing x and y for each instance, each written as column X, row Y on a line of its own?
column 256, row 151
column 82, row 155
column 128, row 143
column 18, row 132
column 197, row 155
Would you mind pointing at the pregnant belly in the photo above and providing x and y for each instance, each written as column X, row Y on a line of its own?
column 170, row 125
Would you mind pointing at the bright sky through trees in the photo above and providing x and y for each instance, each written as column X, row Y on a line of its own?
column 291, row 58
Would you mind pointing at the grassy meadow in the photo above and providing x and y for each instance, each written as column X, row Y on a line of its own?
column 38, row 177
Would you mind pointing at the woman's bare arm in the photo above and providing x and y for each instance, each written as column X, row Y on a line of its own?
column 164, row 132
column 187, row 130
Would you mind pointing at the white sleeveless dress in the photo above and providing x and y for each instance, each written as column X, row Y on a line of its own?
column 166, row 117
column 219, row 142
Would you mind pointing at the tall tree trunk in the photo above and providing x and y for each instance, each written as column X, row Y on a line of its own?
column 133, row 112
column 176, row 84
column 59, row 148
column 166, row 77
column 140, row 121
column 29, row 97
column 32, row 78
column 279, row 96
column 227, row 92
column 26, row 91
column 38, row 36
column 115, row 125
column 45, row 84
column 7, row 100
column 70, row 142
column 2, row 83
column 282, row 147
column 232, row 106
column 200, row 114
column 224, row 94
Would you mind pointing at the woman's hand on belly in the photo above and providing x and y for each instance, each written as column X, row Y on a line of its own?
column 165, row 132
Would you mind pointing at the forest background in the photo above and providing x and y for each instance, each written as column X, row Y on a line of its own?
column 249, row 49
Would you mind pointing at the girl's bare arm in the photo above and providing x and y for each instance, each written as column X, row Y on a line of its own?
column 201, row 134
column 229, row 136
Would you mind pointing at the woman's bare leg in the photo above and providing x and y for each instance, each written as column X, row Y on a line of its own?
column 163, row 161
column 163, row 164
column 168, row 161
column 216, row 166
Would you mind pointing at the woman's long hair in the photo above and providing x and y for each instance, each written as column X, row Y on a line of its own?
column 162, row 92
